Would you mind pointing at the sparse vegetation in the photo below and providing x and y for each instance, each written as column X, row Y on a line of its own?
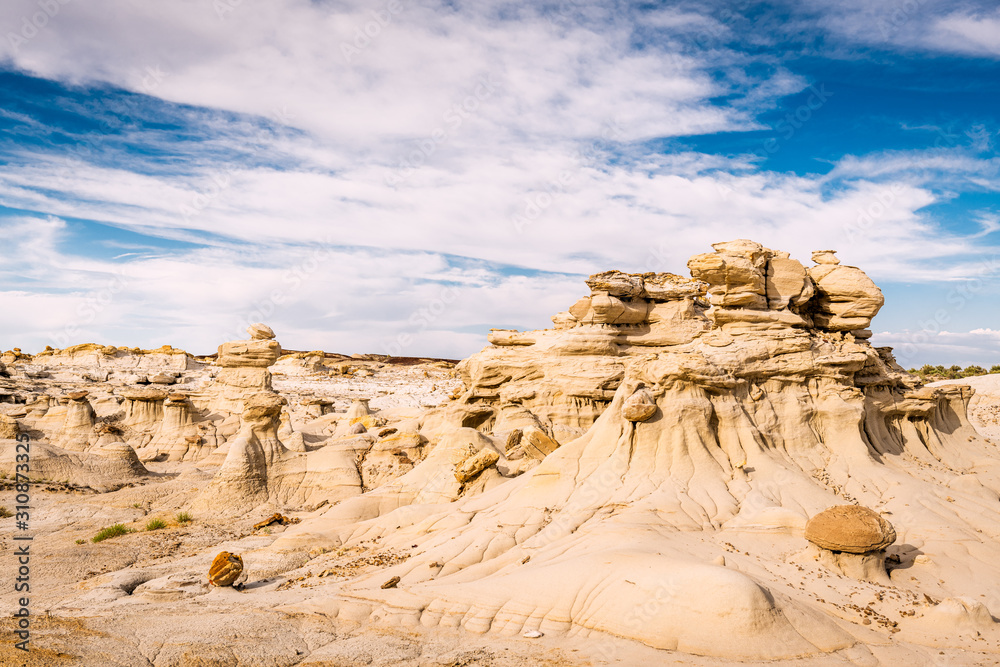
column 934, row 373
column 4, row 513
column 137, row 506
column 116, row 530
column 184, row 517
column 81, row 541
column 155, row 524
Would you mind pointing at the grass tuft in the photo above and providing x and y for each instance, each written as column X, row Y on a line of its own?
column 184, row 517
column 116, row 530
column 155, row 524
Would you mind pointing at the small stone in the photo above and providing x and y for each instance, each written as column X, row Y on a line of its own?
column 532, row 634
column 391, row 583
column 825, row 257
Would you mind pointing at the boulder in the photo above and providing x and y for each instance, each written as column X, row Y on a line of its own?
column 639, row 407
column 851, row 529
column 475, row 464
column 225, row 570
column 846, row 298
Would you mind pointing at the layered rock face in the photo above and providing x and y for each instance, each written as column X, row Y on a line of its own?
column 565, row 377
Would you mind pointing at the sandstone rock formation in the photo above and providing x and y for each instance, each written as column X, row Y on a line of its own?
column 852, row 541
column 9, row 428
column 742, row 414
column 565, row 377
column 244, row 365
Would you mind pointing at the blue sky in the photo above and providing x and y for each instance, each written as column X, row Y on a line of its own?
column 398, row 177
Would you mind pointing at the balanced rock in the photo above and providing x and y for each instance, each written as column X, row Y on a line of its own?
column 260, row 331
column 825, row 257
column 851, row 529
column 846, row 298
column 639, row 407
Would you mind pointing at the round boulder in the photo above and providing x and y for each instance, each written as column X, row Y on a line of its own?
column 851, row 529
column 225, row 569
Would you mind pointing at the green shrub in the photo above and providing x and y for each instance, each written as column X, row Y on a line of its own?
column 116, row 530
column 155, row 524
column 935, row 373
column 184, row 517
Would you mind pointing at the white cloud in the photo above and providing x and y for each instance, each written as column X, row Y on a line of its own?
column 924, row 25
column 916, row 348
column 962, row 32
column 546, row 81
